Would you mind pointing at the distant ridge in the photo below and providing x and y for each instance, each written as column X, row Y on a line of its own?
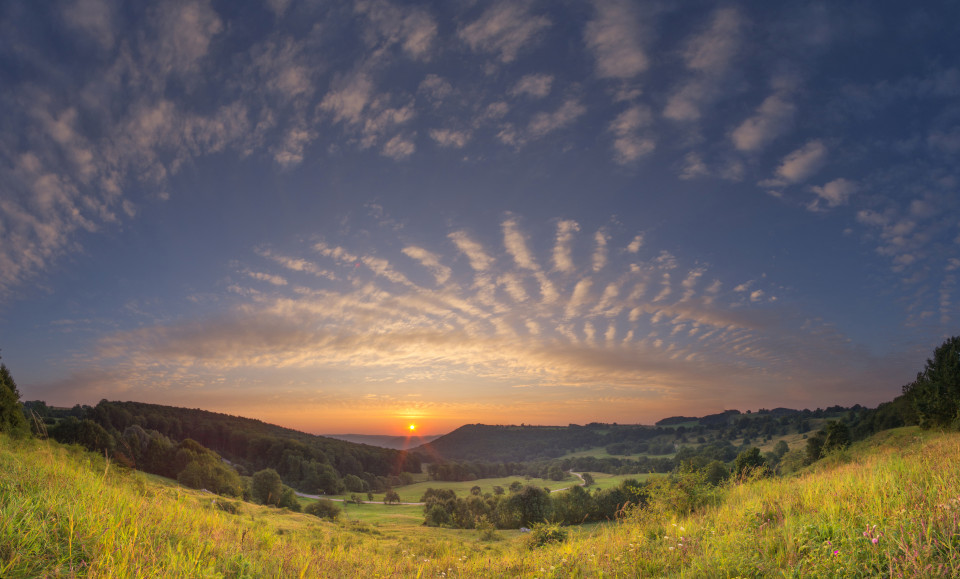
column 386, row 441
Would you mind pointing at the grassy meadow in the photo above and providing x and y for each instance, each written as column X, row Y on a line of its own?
column 886, row 507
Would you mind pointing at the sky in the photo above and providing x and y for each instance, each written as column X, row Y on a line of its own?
column 351, row 216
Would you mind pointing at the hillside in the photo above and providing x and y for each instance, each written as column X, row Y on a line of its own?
column 386, row 441
column 134, row 431
column 886, row 507
column 480, row 442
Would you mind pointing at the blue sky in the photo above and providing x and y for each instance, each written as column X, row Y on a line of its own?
column 346, row 216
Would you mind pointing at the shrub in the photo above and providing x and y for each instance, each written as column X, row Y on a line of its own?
column 545, row 533
column 323, row 508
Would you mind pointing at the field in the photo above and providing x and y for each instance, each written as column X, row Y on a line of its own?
column 887, row 507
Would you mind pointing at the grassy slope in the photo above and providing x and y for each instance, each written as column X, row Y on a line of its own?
column 65, row 513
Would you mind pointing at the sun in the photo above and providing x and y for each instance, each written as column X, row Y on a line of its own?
column 412, row 427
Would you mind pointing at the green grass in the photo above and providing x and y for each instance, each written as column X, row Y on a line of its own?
column 413, row 493
column 66, row 513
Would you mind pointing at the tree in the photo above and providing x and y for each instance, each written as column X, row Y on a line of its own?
column 781, row 448
column 748, row 460
column 587, row 479
column 12, row 420
column 391, row 497
column 837, row 436
column 531, row 505
column 288, row 500
column 936, row 391
column 267, row 488
column 815, row 446
column 323, row 508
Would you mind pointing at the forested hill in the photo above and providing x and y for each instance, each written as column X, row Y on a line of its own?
column 508, row 443
column 479, row 442
column 304, row 461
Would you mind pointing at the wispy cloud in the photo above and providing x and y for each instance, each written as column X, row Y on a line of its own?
column 630, row 143
column 708, row 56
column 479, row 259
column 614, row 38
column 533, row 85
column 771, row 119
column 562, row 256
column 504, row 29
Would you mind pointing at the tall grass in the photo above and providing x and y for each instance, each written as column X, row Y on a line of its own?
column 886, row 508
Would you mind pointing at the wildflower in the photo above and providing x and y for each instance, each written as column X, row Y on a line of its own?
column 875, row 540
column 836, row 552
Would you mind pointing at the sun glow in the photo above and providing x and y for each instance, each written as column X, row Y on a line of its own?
column 412, row 427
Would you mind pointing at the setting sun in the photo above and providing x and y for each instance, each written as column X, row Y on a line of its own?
column 413, row 427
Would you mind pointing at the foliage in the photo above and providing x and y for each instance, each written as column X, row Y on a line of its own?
column 936, row 391
column 544, row 534
column 312, row 464
column 288, row 500
column 324, row 509
column 12, row 420
column 266, row 487
column 391, row 496
column 748, row 461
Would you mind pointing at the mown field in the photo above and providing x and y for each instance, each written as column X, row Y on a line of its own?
column 887, row 507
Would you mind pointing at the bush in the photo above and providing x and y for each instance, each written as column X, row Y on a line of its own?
column 543, row 534
column 324, row 509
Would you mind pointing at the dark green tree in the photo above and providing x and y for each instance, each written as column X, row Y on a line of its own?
column 781, row 448
column 288, row 500
column 531, row 505
column 391, row 497
column 266, row 487
column 323, row 508
column 837, row 436
column 748, row 460
column 12, row 420
column 936, row 391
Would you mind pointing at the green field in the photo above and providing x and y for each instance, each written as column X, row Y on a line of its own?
column 413, row 493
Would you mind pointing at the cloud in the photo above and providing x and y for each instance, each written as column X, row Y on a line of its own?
column 533, row 85
column 516, row 245
column 94, row 18
column 436, row 88
column 545, row 123
column 613, row 36
column 562, row 255
column 184, row 31
column 429, row 260
column 348, row 97
column 399, row 147
column 708, row 56
column 579, row 298
column 600, row 250
column 269, row 278
column 504, row 29
column 629, row 143
column 413, row 28
column 772, row 118
column 635, row 244
column 836, row 192
column 479, row 260
column 297, row 264
column 450, row 138
column 803, row 163
column 712, row 50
